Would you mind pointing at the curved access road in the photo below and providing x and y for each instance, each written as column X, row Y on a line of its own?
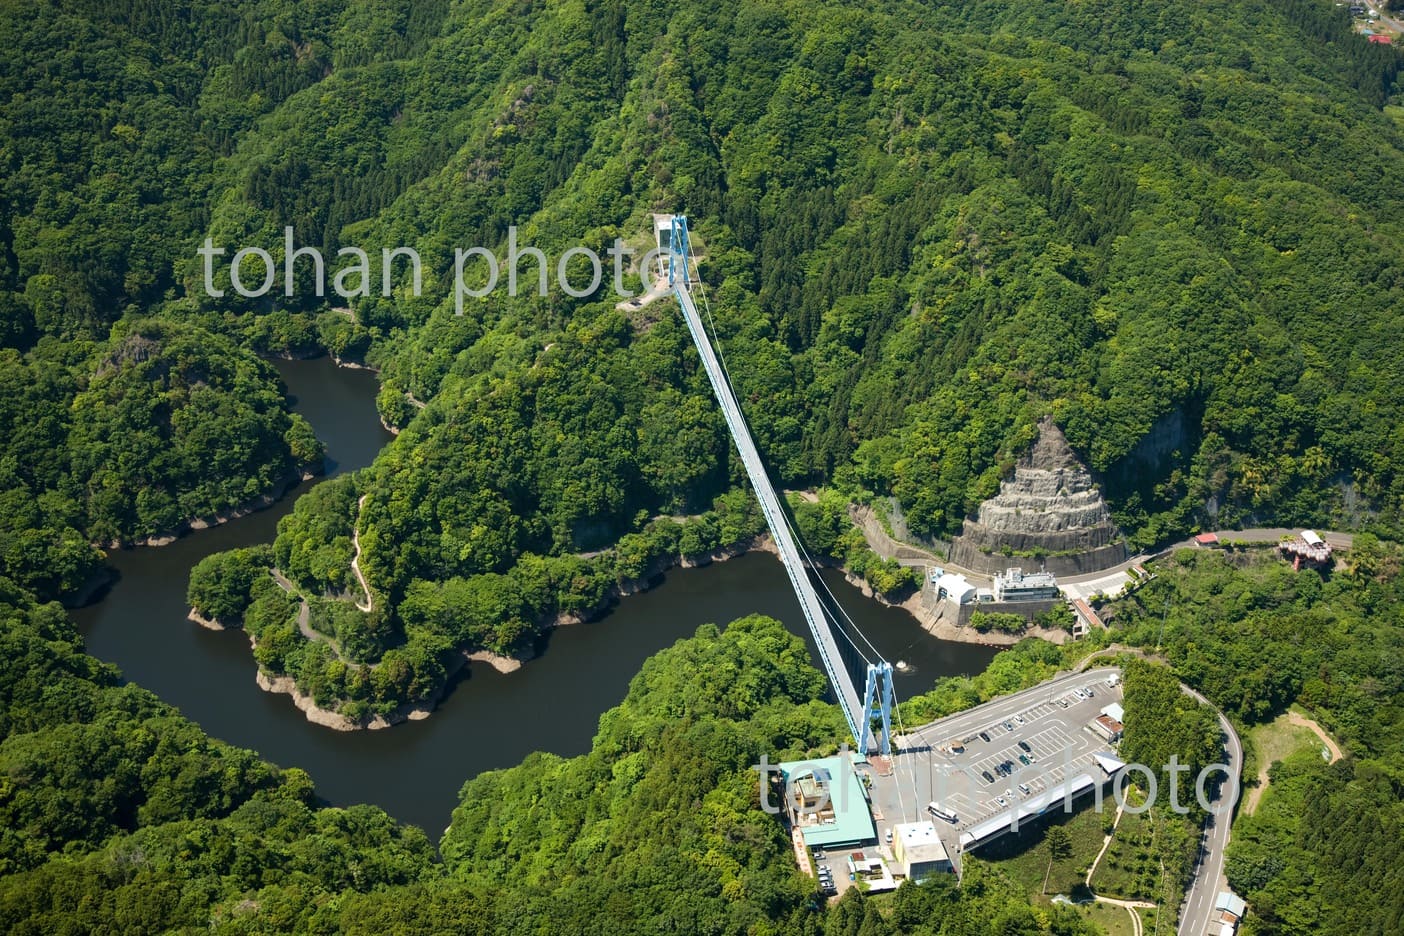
column 1209, row 880
column 1335, row 538
column 885, row 546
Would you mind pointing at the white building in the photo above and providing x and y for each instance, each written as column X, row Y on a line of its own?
column 1015, row 585
column 919, row 851
column 952, row 587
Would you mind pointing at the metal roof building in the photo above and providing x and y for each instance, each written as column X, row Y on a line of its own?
column 826, row 801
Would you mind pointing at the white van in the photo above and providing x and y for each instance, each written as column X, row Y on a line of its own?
column 1113, row 679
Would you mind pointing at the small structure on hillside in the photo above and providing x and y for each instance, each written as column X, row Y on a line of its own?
column 1228, row 910
column 1086, row 618
column 951, row 587
column 1306, row 548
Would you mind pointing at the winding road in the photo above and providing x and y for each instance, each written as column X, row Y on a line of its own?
column 356, row 559
column 1209, row 880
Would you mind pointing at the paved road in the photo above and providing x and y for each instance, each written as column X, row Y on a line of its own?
column 1337, row 539
column 1209, row 878
column 912, row 765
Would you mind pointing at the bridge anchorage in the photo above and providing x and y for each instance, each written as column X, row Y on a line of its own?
column 845, row 664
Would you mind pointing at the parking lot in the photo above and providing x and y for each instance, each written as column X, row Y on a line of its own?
column 1036, row 739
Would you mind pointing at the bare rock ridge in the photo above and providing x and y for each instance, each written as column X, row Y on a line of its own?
column 1049, row 515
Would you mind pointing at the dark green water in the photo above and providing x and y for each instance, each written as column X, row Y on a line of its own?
column 488, row 720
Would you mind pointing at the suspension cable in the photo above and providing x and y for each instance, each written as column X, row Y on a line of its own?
column 809, row 560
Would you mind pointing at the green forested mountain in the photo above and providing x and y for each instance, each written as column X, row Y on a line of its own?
column 1174, row 227
column 1170, row 227
column 924, row 227
column 121, row 816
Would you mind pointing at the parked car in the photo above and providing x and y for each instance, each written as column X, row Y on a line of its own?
column 1008, row 726
column 1024, row 759
column 1024, row 746
column 1024, row 789
column 984, row 736
column 986, row 774
column 1001, row 801
column 1019, row 719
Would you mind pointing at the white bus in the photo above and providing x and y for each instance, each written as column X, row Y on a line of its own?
column 941, row 812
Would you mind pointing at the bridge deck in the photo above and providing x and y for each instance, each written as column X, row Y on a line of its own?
column 771, row 507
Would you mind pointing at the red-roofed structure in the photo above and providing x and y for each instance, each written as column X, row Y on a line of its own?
column 1306, row 548
column 1086, row 615
column 1207, row 539
column 1380, row 40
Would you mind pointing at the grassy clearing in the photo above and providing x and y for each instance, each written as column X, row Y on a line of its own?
column 1274, row 741
column 1025, row 857
column 1279, row 739
column 1114, row 921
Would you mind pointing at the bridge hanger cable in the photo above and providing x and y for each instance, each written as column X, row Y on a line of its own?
column 809, row 560
column 869, row 715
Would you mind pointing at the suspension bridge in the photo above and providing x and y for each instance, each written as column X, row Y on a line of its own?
column 846, row 655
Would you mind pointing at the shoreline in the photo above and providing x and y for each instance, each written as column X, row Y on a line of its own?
column 336, row 721
column 282, row 684
column 417, row 711
column 91, row 591
column 291, row 479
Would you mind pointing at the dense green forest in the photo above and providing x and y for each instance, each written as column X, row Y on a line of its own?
column 1168, row 226
column 131, row 437
column 1322, row 854
column 1174, row 227
column 120, row 816
column 116, row 806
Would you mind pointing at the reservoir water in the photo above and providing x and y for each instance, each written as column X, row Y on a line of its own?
column 487, row 720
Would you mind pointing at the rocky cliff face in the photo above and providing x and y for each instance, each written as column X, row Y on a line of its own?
column 1050, row 508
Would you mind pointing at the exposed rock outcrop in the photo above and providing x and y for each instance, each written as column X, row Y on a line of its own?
column 1049, row 514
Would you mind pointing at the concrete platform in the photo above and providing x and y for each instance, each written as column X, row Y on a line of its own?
column 1048, row 718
